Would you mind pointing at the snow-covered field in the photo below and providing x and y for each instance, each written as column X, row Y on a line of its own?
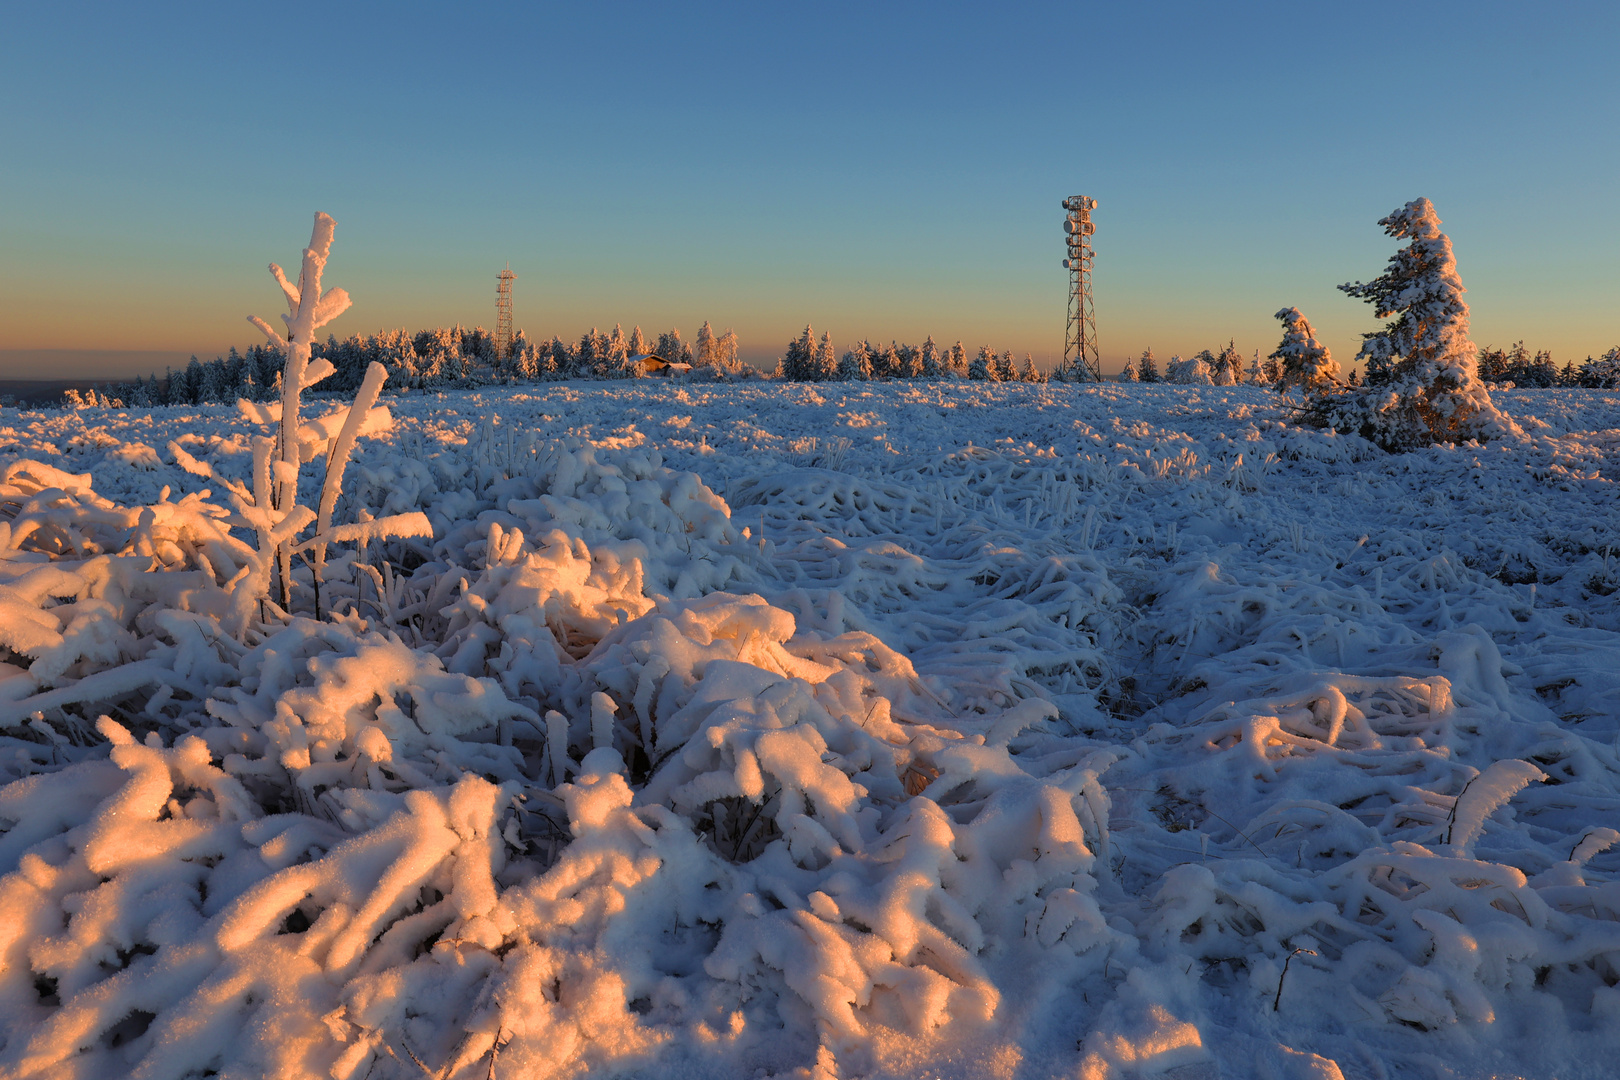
column 910, row 730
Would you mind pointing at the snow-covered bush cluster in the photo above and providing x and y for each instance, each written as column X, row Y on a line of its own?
column 908, row 730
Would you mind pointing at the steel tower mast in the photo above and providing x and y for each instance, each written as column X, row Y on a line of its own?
column 1080, row 360
column 503, row 312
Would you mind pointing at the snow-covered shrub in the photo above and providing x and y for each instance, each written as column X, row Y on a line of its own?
column 1193, row 372
column 1305, row 362
column 1432, row 391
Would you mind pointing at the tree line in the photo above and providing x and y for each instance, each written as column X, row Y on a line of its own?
column 440, row 358
column 811, row 360
column 448, row 357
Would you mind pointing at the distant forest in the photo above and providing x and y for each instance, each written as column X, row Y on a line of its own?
column 443, row 358
column 428, row 360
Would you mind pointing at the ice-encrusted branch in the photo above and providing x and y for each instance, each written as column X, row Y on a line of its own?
column 269, row 331
column 274, row 512
column 309, row 310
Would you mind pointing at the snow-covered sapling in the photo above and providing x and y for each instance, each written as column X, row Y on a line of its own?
column 1306, row 362
column 275, row 513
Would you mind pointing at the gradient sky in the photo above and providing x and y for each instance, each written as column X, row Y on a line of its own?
column 880, row 170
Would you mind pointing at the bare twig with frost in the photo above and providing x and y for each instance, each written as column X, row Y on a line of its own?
column 308, row 311
column 275, row 514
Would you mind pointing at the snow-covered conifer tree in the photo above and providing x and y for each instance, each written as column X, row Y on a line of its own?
column 1029, row 373
column 638, row 342
column 1305, row 362
column 703, row 354
column 1434, row 392
column 856, row 364
column 725, row 352
column 593, row 354
column 886, row 362
column 1147, row 369
column 671, row 348
column 826, row 361
column 933, row 365
column 1003, row 367
column 562, row 359
column 1515, row 362
column 959, row 360
column 982, row 369
column 1537, row 372
column 1602, row 373
column 1226, row 369
column 453, row 369
column 1129, row 372
column 194, row 383
column 615, row 360
column 908, row 364
column 528, row 362
column 213, row 384
column 800, row 357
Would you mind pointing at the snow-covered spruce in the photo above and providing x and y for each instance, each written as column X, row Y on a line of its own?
column 1304, row 362
column 1423, row 383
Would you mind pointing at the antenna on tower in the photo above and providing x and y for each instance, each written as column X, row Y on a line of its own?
column 1080, row 360
column 503, row 312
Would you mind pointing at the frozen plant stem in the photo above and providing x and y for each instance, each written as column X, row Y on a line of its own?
column 308, row 311
column 275, row 513
column 1276, row 1002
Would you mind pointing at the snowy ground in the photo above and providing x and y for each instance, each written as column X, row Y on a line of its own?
column 903, row 730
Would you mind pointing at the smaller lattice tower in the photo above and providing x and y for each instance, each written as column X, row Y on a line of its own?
column 503, row 312
column 1080, row 360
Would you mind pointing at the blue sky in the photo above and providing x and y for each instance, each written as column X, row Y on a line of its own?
column 880, row 170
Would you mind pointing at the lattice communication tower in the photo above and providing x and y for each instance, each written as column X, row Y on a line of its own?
column 503, row 312
column 1080, row 357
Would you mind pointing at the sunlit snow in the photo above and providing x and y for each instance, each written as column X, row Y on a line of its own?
column 893, row 729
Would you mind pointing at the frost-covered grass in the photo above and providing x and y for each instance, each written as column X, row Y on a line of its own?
column 887, row 729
